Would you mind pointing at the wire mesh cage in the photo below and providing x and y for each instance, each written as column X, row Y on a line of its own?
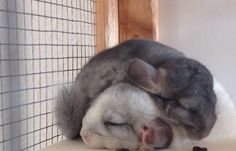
column 43, row 45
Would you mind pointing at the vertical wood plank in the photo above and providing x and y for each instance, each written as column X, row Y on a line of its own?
column 138, row 19
column 155, row 19
column 120, row 20
column 107, row 34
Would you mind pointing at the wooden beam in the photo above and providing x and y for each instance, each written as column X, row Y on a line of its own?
column 138, row 19
column 120, row 20
column 107, row 34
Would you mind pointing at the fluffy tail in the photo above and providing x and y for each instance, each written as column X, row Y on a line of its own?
column 70, row 110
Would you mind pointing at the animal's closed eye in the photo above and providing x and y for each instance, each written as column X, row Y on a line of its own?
column 108, row 123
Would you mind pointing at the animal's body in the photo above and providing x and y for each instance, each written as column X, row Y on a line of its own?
column 181, row 87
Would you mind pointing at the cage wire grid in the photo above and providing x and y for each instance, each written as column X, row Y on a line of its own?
column 43, row 45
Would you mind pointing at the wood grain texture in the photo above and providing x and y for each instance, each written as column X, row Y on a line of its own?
column 120, row 20
column 106, row 24
column 138, row 19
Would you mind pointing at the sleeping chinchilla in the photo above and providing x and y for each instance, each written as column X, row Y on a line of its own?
column 181, row 87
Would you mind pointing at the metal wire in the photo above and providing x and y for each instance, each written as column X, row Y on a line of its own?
column 43, row 45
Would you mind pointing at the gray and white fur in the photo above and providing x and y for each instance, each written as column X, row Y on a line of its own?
column 118, row 114
column 181, row 87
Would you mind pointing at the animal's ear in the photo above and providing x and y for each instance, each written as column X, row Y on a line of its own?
column 146, row 76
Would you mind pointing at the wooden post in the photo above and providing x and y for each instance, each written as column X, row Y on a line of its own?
column 107, row 34
column 138, row 19
column 120, row 20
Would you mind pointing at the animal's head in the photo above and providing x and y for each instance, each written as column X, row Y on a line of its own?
column 124, row 116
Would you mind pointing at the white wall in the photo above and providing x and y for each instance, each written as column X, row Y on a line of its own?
column 204, row 30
